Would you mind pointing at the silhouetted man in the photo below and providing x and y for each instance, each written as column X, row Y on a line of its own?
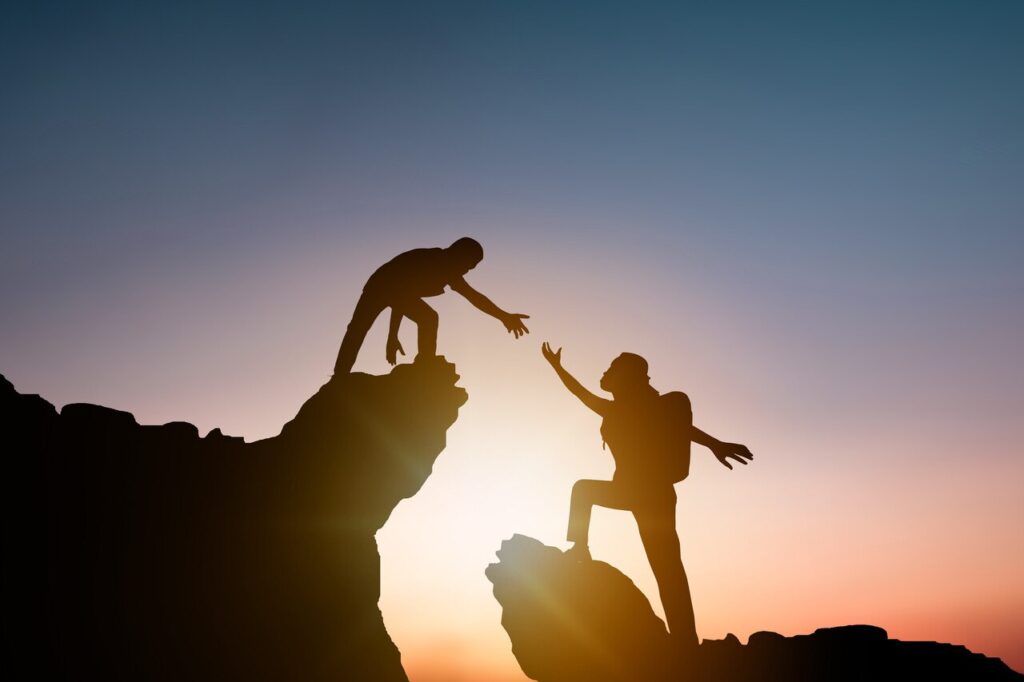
column 402, row 283
column 649, row 435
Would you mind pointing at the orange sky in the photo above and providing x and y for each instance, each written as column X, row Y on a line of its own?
column 805, row 215
column 876, row 512
column 886, row 484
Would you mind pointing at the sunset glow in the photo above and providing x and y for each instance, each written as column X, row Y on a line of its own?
column 826, row 261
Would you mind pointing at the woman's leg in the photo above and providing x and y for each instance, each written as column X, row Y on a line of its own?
column 586, row 494
column 656, row 520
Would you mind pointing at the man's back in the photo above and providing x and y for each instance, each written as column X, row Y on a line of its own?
column 418, row 273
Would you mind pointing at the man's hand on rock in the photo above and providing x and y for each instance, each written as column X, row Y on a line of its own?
column 394, row 347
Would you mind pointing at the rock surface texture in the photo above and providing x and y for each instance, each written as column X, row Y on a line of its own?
column 575, row 621
column 148, row 553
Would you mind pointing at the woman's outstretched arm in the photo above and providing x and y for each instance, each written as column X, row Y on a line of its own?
column 723, row 451
column 594, row 402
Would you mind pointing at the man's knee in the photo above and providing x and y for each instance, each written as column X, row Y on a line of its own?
column 420, row 313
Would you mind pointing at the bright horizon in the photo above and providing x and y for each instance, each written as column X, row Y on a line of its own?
column 807, row 220
column 899, row 526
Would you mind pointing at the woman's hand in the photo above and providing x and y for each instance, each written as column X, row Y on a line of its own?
column 552, row 356
column 740, row 453
column 598, row 405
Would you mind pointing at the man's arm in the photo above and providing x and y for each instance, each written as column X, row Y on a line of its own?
column 594, row 402
column 479, row 301
column 721, row 449
column 513, row 321
column 394, row 346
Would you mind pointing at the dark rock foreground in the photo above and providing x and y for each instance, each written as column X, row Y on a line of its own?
column 138, row 552
column 584, row 621
column 148, row 553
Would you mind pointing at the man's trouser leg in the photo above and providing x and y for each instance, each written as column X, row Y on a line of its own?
column 656, row 520
column 425, row 318
column 586, row 494
column 367, row 310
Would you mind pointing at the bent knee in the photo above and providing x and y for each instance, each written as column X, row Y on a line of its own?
column 579, row 486
column 585, row 487
column 424, row 316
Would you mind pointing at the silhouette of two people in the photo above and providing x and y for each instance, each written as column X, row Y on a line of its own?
column 649, row 435
column 402, row 283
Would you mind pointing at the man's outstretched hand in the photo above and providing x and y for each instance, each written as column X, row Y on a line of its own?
column 552, row 356
column 514, row 323
column 723, row 451
column 393, row 348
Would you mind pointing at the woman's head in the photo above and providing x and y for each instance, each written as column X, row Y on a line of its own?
column 625, row 374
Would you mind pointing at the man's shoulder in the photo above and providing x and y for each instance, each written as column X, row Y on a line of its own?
column 424, row 255
column 414, row 260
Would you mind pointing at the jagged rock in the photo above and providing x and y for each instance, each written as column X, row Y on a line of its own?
column 217, row 434
column 146, row 552
column 846, row 653
column 572, row 620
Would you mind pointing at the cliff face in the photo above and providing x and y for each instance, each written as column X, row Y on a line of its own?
column 574, row 620
column 147, row 552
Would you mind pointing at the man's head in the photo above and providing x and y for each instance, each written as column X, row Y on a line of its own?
column 626, row 373
column 466, row 253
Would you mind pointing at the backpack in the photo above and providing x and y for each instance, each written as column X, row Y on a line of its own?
column 651, row 439
column 678, row 423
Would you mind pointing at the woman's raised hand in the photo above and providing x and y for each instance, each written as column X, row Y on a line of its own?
column 552, row 356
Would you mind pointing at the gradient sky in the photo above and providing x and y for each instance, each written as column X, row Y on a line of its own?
column 808, row 216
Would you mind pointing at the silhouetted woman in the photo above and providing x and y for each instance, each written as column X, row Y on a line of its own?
column 649, row 435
